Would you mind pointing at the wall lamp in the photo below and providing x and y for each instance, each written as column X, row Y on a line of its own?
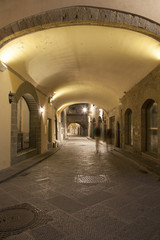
column 51, row 98
column 41, row 110
column 84, row 109
column 10, row 96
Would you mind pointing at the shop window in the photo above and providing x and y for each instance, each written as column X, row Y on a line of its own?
column 150, row 127
column 128, row 127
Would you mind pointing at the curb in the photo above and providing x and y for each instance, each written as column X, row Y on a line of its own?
column 19, row 168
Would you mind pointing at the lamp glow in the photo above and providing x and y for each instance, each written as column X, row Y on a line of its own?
column 53, row 97
column 41, row 110
column 3, row 66
column 100, row 112
column 84, row 109
column 158, row 54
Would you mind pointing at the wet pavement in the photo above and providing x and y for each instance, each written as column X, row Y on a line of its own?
column 86, row 196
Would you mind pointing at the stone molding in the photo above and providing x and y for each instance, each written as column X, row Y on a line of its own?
column 79, row 15
column 28, row 92
column 26, row 88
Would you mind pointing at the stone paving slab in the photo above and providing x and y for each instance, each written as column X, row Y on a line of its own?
column 96, row 197
column 126, row 206
column 19, row 168
column 65, row 222
column 66, row 204
column 146, row 163
column 22, row 236
column 47, row 232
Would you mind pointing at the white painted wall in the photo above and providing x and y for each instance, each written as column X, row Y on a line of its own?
column 10, row 82
column 11, row 11
column 5, row 120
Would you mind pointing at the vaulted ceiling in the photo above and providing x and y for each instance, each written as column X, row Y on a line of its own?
column 93, row 64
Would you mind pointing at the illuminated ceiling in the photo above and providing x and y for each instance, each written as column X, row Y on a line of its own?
column 93, row 64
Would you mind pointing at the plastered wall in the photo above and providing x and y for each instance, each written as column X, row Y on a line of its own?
column 5, row 120
column 10, row 82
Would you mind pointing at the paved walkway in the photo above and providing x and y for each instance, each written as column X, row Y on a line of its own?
column 87, row 196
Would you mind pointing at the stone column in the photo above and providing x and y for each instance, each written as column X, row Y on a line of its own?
column 13, row 132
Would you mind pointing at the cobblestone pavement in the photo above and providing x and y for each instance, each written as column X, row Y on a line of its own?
column 88, row 196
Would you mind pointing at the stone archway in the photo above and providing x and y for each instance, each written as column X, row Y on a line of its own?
column 27, row 91
column 79, row 15
column 74, row 129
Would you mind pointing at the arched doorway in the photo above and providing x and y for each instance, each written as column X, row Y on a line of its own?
column 149, row 127
column 118, row 135
column 74, row 129
column 25, row 133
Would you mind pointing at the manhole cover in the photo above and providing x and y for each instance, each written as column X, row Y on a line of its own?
column 92, row 179
column 13, row 219
column 18, row 218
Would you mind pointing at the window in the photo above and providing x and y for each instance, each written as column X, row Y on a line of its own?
column 152, row 130
column 23, row 125
column 128, row 127
column 150, row 127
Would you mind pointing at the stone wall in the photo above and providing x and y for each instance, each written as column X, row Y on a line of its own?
column 147, row 88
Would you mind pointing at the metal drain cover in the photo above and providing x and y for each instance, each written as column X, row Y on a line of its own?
column 13, row 219
column 19, row 218
column 92, row 179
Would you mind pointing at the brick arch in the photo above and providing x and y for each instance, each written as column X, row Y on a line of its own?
column 27, row 91
column 79, row 15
